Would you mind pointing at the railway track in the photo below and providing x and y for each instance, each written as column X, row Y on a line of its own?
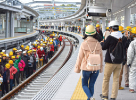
column 29, row 88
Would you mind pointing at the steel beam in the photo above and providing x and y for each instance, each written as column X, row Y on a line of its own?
column 56, row 2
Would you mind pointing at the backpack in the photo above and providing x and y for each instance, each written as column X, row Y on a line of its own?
column 117, row 55
column 93, row 60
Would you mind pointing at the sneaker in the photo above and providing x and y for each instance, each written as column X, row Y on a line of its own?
column 126, row 85
column 121, row 88
column 131, row 90
column 112, row 98
column 103, row 97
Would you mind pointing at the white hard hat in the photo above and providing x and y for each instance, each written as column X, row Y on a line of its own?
column 17, row 51
column 41, row 48
column 7, row 55
column 113, row 23
column 24, row 51
column 3, row 50
column 20, row 50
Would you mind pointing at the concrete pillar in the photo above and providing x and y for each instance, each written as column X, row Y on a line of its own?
column 3, row 23
column 38, row 24
column 7, row 25
column 127, row 17
column 11, row 24
column 83, row 22
column 103, row 24
column 133, row 19
column 119, row 20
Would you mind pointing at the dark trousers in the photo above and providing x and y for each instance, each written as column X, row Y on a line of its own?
column 4, row 88
column 21, row 75
column 30, row 71
column 26, row 72
column 56, row 48
column 60, row 43
column 16, row 77
column 11, row 84
column 51, row 54
column 88, row 82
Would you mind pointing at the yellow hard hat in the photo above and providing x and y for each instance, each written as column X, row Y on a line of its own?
column 107, row 28
column 90, row 30
column 29, row 52
column 134, row 30
column 1, row 53
column 14, row 49
column 13, row 57
column 38, row 47
column 34, row 50
column 35, row 45
column 10, row 61
column 51, row 42
column 41, row 39
column 11, row 53
column 27, row 48
column 4, row 55
column 22, row 46
column 0, row 60
column 7, row 65
column 36, row 40
column 97, row 25
column 121, row 29
column 41, row 44
column 17, row 56
column 128, row 28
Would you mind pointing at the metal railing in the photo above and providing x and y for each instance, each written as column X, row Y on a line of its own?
column 17, row 41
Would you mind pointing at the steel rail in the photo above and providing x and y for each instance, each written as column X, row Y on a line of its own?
column 29, row 79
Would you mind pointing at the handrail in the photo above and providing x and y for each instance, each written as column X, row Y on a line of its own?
column 29, row 79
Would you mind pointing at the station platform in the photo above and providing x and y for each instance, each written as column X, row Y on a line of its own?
column 2, row 36
column 71, row 89
column 67, row 85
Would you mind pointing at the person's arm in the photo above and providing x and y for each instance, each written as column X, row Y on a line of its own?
column 14, row 70
column 18, row 60
column 106, row 43
column 79, row 60
column 130, row 53
column 101, row 67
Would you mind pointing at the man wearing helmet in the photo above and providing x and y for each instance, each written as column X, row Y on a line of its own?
column 98, row 30
column 112, row 65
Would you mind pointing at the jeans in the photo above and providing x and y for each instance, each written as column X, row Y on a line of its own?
column 11, row 84
column 88, row 81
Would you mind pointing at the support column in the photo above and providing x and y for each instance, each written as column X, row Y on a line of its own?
column 103, row 24
column 7, row 23
column 11, row 24
column 38, row 24
column 127, row 17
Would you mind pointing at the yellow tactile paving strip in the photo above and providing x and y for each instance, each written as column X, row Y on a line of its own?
column 79, row 93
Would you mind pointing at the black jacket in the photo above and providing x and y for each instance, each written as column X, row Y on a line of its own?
column 109, row 45
column 100, row 33
column 25, row 59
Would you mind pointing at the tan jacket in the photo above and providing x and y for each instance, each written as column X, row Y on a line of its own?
column 84, row 50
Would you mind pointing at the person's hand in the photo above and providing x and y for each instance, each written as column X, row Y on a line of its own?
column 7, row 81
column 12, row 74
column 102, row 41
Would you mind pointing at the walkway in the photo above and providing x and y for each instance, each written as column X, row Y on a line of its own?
column 71, row 89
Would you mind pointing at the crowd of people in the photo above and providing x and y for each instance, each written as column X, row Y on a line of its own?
column 18, row 65
column 120, row 58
